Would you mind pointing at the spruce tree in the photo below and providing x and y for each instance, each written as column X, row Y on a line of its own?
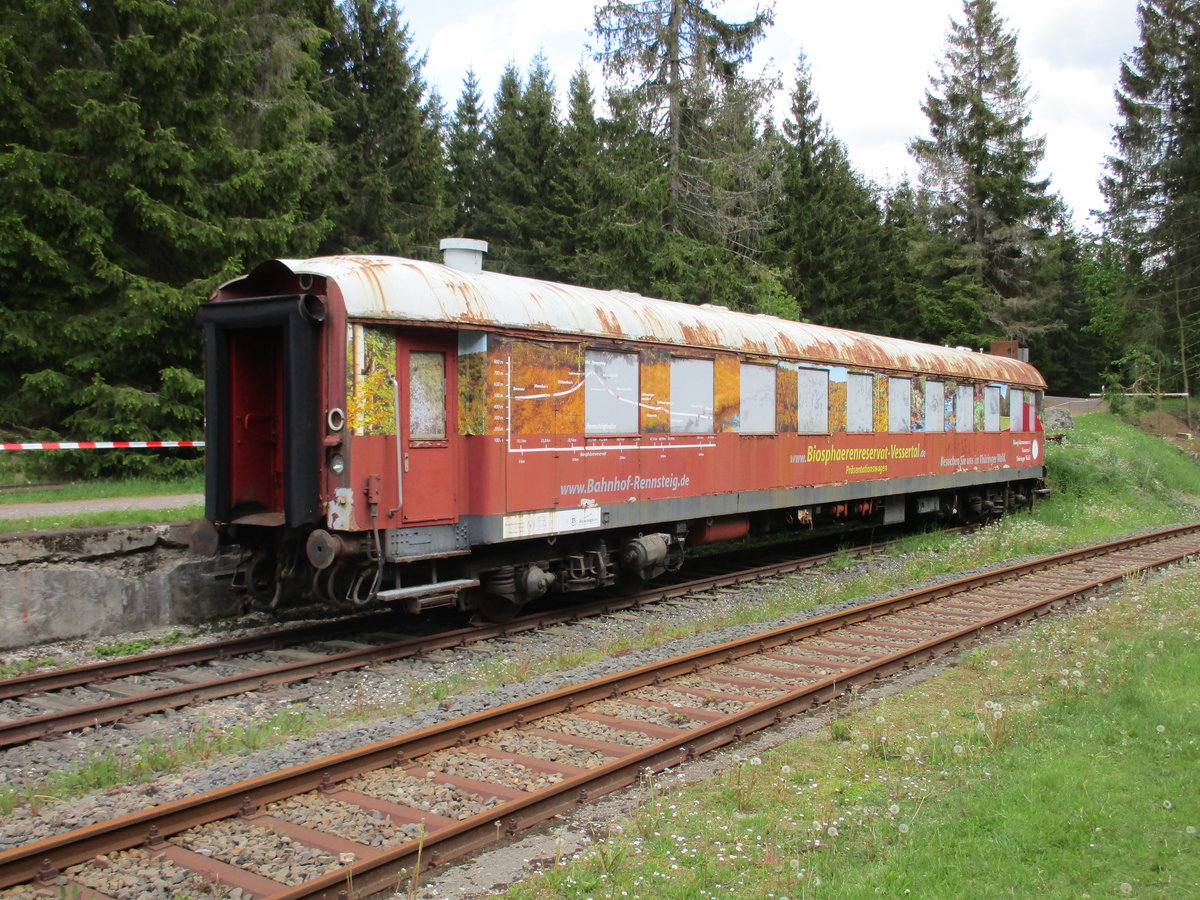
column 829, row 233
column 979, row 168
column 465, row 155
column 576, row 193
column 682, row 64
column 148, row 151
column 516, row 215
column 389, row 179
column 1153, row 188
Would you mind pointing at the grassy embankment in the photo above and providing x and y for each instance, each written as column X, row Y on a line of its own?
column 1060, row 763
column 1110, row 479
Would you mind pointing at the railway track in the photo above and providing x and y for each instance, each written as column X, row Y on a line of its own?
column 366, row 820
column 46, row 704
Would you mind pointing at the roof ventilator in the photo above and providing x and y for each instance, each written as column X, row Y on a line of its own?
column 463, row 254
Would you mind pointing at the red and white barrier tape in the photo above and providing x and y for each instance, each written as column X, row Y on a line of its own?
column 99, row 445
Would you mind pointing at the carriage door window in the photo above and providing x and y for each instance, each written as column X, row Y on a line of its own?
column 812, row 401
column 610, row 392
column 899, row 405
column 1016, row 410
column 964, row 408
column 935, row 406
column 860, row 403
column 757, row 411
column 427, row 396
column 991, row 409
column 691, row 395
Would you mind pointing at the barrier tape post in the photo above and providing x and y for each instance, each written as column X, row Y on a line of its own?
column 100, row 445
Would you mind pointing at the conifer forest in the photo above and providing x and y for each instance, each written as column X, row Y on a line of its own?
column 151, row 150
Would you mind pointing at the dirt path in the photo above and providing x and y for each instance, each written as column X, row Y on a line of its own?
column 75, row 507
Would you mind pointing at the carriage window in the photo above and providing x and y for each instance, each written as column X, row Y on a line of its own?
column 1016, row 409
column 812, row 402
column 964, row 408
column 899, row 404
column 991, row 408
column 427, row 396
column 935, row 406
column 691, row 395
column 860, row 399
column 610, row 392
column 757, row 412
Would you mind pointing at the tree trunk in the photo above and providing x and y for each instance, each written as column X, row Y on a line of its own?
column 675, row 112
column 1183, row 360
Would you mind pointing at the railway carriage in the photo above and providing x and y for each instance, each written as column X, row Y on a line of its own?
column 388, row 430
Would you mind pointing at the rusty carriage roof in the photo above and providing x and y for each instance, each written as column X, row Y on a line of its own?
column 382, row 288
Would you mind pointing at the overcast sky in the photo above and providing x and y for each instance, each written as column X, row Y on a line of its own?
column 870, row 59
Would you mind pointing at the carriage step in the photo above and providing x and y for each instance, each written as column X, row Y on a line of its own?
column 428, row 596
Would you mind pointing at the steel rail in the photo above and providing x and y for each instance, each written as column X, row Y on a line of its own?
column 378, row 870
column 107, row 670
column 176, row 657
column 122, row 709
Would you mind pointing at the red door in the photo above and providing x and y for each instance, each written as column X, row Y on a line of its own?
column 427, row 367
column 255, row 421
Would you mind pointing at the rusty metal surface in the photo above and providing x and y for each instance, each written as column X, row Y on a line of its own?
column 388, row 288
column 59, row 679
column 796, row 692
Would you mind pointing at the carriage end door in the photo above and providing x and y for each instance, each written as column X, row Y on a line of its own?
column 427, row 368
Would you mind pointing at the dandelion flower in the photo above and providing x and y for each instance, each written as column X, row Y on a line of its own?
column 1167, row 804
column 894, row 808
column 1191, row 829
column 903, row 827
column 879, row 720
column 958, row 748
column 832, row 831
column 1160, row 728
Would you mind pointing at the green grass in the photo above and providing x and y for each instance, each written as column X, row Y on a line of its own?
column 102, row 519
column 132, row 648
column 25, row 666
column 154, row 757
column 1059, row 765
column 102, row 490
column 105, row 489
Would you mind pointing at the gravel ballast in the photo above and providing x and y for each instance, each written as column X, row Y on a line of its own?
column 378, row 688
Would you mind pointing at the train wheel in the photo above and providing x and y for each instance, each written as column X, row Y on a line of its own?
column 262, row 582
column 495, row 608
column 339, row 585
